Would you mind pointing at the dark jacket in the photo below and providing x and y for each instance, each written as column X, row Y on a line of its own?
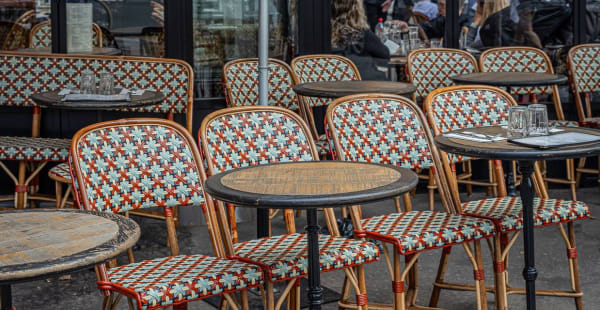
column 366, row 54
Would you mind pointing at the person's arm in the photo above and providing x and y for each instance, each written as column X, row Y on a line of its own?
column 374, row 47
column 434, row 28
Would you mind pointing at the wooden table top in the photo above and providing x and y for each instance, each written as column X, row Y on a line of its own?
column 301, row 185
column 336, row 89
column 510, row 78
column 510, row 151
column 44, row 242
column 51, row 99
column 107, row 51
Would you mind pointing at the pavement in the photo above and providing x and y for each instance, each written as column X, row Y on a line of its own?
column 80, row 291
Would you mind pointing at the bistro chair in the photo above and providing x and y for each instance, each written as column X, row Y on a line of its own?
column 41, row 35
column 133, row 164
column 488, row 106
column 240, row 83
column 396, row 132
column 18, row 35
column 245, row 136
column 172, row 77
column 529, row 59
column 315, row 68
column 445, row 62
column 583, row 62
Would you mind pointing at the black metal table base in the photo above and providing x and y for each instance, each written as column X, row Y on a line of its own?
column 529, row 271
column 315, row 292
column 6, row 297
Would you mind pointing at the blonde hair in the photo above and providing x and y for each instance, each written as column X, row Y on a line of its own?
column 348, row 22
column 490, row 7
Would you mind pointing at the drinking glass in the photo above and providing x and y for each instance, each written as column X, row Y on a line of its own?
column 106, row 84
column 404, row 48
column 415, row 44
column 517, row 122
column 87, row 83
column 537, row 118
column 413, row 32
column 435, row 43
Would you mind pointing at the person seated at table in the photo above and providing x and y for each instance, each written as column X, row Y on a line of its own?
column 352, row 37
column 401, row 9
column 427, row 8
column 434, row 29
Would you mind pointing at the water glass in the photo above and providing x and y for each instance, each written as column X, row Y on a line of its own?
column 517, row 122
column 106, row 84
column 415, row 44
column 435, row 43
column 537, row 118
column 87, row 83
column 404, row 48
column 413, row 32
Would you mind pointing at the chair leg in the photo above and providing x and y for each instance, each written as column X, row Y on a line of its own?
column 431, row 189
column 439, row 278
column 499, row 274
column 270, row 302
column 21, row 188
column 361, row 297
column 58, row 189
column 171, row 233
column 345, row 295
column 573, row 263
column 398, row 284
column 180, row 306
column 580, row 165
column 571, row 178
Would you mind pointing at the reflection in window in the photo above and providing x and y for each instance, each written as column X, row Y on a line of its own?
column 228, row 29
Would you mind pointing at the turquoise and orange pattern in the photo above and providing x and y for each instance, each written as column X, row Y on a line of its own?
column 34, row 149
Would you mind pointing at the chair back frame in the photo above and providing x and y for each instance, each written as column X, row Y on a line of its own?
column 444, row 188
column 582, row 85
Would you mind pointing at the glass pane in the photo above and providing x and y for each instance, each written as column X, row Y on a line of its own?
column 16, row 20
column 592, row 21
column 543, row 24
column 228, row 29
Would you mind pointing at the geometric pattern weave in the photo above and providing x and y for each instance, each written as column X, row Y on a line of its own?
column 241, row 83
column 22, row 76
column 469, row 108
column 41, row 35
column 34, row 149
column 255, row 137
column 430, row 69
column 507, row 212
column 518, row 60
column 585, row 68
column 285, row 257
column 138, row 166
column 164, row 281
column 416, row 231
column 61, row 172
column 323, row 68
column 381, row 131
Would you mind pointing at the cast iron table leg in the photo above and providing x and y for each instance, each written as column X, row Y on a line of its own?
column 6, row 297
column 511, row 189
column 262, row 223
column 529, row 272
column 314, row 274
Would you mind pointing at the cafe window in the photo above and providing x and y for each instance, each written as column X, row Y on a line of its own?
column 225, row 30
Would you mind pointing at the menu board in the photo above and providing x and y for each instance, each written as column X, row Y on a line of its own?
column 79, row 27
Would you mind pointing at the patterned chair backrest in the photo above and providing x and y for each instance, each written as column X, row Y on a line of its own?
column 41, row 35
column 135, row 164
column 24, row 74
column 458, row 107
column 430, row 69
column 240, row 81
column 315, row 68
column 584, row 64
column 380, row 129
column 518, row 59
column 246, row 136
column 18, row 34
column 385, row 129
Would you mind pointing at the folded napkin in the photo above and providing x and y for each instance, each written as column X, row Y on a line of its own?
column 133, row 92
column 96, row 97
column 474, row 137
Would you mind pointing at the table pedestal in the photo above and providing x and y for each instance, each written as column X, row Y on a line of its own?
column 6, row 297
column 315, row 291
column 529, row 271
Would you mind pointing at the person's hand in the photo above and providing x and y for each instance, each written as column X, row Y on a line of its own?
column 402, row 24
column 386, row 6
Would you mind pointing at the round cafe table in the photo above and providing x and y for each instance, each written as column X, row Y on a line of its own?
column 51, row 99
column 309, row 186
column 36, row 244
column 510, row 79
column 526, row 156
column 336, row 89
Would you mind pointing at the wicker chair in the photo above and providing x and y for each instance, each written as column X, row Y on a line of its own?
column 486, row 106
column 133, row 164
column 18, row 34
column 315, row 68
column 246, row 136
column 529, row 59
column 445, row 63
column 41, row 35
column 583, row 62
column 396, row 133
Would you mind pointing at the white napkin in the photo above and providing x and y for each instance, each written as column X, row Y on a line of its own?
column 482, row 138
column 66, row 91
column 95, row 97
column 133, row 92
